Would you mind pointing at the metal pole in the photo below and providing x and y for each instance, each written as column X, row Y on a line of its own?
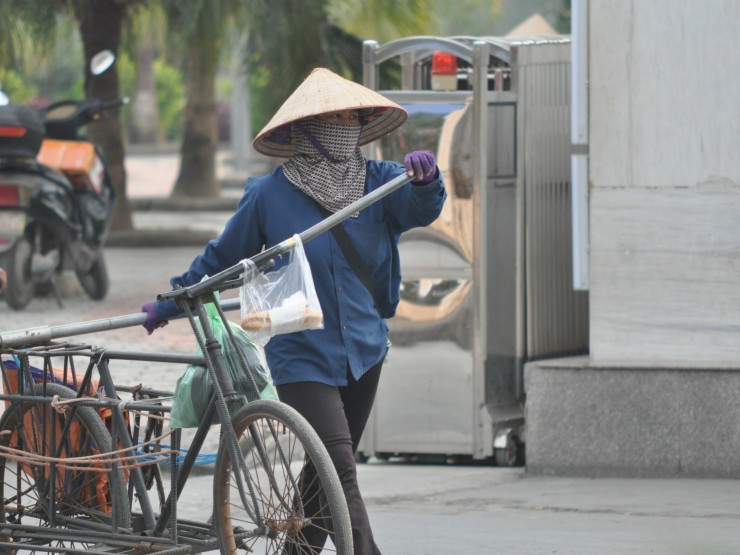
column 364, row 202
column 579, row 139
column 324, row 225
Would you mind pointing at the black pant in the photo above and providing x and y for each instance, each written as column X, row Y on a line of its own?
column 339, row 415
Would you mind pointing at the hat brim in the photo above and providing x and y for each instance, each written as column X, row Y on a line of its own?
column 325, row 92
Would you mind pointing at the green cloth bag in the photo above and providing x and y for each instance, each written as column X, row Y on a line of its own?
column 194, row 389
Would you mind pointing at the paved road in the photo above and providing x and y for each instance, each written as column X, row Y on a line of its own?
column 446, row 509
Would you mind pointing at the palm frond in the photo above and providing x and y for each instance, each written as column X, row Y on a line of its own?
column 383, row 20
column 23, row 25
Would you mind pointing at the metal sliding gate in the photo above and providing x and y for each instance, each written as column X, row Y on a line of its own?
column 487, row 287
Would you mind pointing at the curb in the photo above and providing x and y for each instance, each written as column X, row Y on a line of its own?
column 176, row 236
column 169, row 204
column 151, row 237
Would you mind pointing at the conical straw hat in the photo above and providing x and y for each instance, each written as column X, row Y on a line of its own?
column 325, row 92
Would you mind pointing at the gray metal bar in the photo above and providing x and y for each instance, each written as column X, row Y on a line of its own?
column 287, row 245
column 119, row 425
column 423, row 44
column 155, row 357
column 431, row 97
column 364, row 202
column 44, row 334
column 369, row 66
column 481, row 424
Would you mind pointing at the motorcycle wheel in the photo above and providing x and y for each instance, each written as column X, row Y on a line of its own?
column 17, row 263
column 95, row 281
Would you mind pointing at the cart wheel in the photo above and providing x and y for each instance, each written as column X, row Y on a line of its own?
column 512, row 454
column 291, row 482
column 79, row 494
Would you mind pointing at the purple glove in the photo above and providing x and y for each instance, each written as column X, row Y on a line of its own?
column 158, row 314
column 422, row 164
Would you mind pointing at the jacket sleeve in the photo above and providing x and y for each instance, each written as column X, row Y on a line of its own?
column 415, row 205
column 241, row 238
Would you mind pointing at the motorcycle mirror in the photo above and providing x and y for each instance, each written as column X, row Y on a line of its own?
column 101, row 61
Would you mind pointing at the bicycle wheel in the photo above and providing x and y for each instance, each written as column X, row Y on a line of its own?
column 80, row 493
column 284, row 458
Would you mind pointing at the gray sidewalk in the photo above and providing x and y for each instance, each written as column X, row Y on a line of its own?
column 473, row 510
column 503, row 511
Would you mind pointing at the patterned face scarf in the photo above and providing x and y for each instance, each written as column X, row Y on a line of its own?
column 328, row 165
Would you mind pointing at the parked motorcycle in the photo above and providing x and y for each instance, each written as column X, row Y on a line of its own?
column 56, row 197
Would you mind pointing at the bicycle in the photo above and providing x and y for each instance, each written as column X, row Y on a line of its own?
column 77, row 462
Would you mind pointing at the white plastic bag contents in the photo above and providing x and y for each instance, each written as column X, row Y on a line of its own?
column 281, row 301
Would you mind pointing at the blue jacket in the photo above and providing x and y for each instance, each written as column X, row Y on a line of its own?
column 354, row 337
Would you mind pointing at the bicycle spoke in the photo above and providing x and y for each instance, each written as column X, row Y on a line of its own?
column 282, row 454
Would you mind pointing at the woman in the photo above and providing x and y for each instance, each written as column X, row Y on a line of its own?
column 329, row 375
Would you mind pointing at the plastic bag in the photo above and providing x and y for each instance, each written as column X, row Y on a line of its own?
column 281, row 301
column 194, row 389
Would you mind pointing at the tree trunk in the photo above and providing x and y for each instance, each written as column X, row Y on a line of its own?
column 197, row 177
column 101, row 22
column 144, row 111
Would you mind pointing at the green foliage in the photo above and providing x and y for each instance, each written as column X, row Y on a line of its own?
column 285, row 43
column 385, row 20
column 262, row 105
column 562, row 23
column 170, row 99
column 126, row 79
column 126, row 74
column 25, row 26
column 146, row 23
column 288, row 39
column 50, row 69
column 202, row 24
column 75, row 90
column 170, row 93
column 495, row 17
column 471, row 17
column 16, row 88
